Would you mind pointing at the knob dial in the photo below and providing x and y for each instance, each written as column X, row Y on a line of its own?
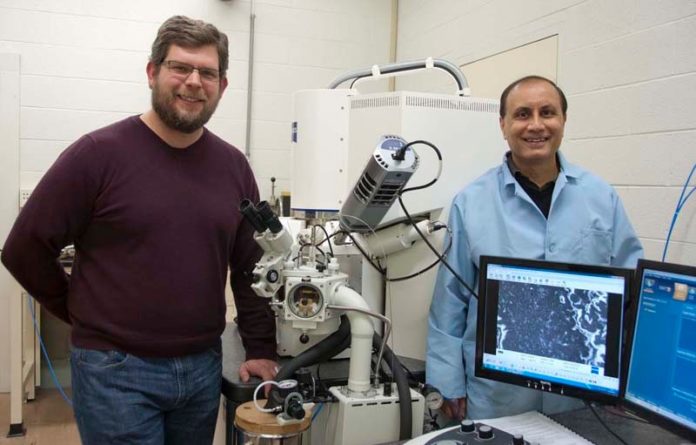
column 485, row 432
column 467, row 426
column 272, row 276
column 517, row 439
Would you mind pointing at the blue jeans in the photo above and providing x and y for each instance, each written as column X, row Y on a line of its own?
column 121, row 398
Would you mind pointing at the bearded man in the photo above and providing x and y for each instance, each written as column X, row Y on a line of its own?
column 151, row 206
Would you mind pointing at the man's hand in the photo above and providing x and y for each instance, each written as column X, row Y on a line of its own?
column 455, row 409
column 262, row 368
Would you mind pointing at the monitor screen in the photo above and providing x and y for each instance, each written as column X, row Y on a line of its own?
column 661, row 354
column 554, row 327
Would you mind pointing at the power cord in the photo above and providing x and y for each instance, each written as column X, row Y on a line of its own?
column 317, row 411
column 410, row 219
column 45, row 353
column 427, row 268
column 606, row 427
column 680, row 205
column 377, row 266
column 619, row 413
column 327, row 239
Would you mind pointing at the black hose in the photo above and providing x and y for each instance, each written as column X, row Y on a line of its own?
column 402, row 388
column 322, row 351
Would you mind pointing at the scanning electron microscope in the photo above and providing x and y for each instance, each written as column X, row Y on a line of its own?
column 324, row 302
column 310, row 295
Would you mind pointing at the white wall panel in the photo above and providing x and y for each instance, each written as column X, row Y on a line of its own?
column 272, row 48
column 653, row 221
column 238, row 43
column 231, row 130
column 651, row 13
column 237, row 75
column 665, row 105
column 272, row 106
column 614, row 105
column 651, row 159
column 272, row 163
column 82, row 63
column 83, row 94
column 284, row 78
column 9, row 193
column 596, row 21
column 677, row 251
column 634, row 58
column 684, row 54
column 308, row 52
column 147, row 11
column 232, row 105
column 44, row 123
column 73, row 30
column 312, row 24
column 38, row 155
column 271, row 135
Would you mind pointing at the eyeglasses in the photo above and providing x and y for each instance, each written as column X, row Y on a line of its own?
column 184, row 70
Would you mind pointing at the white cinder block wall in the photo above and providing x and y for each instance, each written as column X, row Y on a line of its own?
column 629, row 70
column 83, row 66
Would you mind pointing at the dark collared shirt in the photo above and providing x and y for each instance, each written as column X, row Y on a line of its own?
column 540, row 195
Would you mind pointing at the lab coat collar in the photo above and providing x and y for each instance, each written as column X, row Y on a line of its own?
column 567, row 170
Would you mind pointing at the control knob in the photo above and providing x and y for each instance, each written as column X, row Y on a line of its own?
column 517, row 439
column 485, row 432
column 467, row 426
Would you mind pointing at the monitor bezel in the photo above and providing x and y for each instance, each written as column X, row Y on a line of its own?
column 567, row 390
column 630, row 321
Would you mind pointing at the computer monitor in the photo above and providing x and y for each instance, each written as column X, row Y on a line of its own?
column 550, row 326
column 660, row 381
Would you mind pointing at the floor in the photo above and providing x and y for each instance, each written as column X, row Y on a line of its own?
column 48, row 420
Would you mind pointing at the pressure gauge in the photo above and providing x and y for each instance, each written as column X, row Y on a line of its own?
column 287, row 386
column 433, row 397
column 305, row 301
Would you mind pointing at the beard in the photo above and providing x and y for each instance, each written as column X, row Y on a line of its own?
column 185, row 122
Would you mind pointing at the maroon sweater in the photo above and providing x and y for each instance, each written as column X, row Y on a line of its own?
column 154, row 229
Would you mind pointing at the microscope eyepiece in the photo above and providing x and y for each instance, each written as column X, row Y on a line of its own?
column 268, row 217
column 252, row 215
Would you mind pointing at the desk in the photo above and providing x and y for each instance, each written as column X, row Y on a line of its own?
column 583, row 422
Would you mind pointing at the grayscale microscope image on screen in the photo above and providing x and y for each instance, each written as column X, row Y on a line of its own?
column 564, row 323
column 551, row 326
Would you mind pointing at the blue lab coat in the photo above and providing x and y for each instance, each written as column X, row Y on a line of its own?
column 495, row 216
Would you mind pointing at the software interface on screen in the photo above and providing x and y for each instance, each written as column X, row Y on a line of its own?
column 662, row 367
column 557, row 326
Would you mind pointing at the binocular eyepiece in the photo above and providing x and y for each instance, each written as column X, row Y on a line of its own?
column 261, row 217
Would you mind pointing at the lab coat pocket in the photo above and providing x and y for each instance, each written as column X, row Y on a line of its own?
column 595, row 246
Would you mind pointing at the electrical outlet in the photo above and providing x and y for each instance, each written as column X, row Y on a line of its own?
column 24, row 196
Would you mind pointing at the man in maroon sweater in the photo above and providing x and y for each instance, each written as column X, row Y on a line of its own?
column 151, row 205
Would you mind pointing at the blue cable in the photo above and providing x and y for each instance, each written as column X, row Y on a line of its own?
column 45, row 354
column 687, row 196
column 680, row 204
column 316, row 413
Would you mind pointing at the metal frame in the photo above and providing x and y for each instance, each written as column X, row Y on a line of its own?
column 25, row 359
